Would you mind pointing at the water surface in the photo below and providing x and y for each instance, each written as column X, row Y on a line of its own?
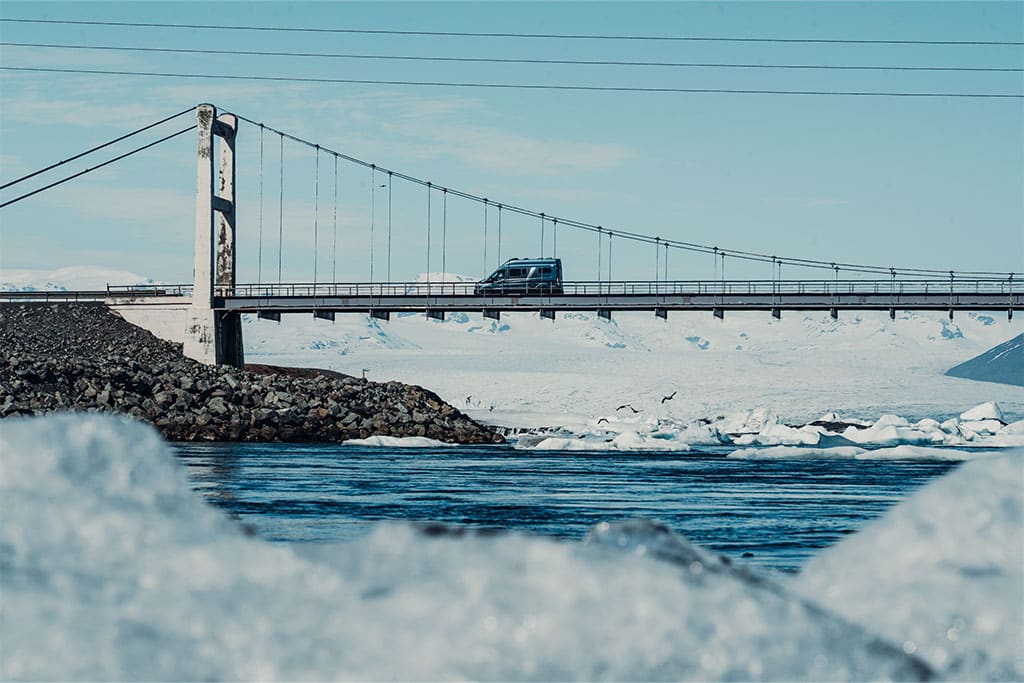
column 771, row 513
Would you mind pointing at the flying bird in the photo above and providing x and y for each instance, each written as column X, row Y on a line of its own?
column 669, row 398
column 626, row 405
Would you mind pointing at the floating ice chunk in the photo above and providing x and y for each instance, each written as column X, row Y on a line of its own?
column 786, row 452
column 907, row 452
column 928, row 425
column 942, row 573
column 751, row 421
column 1012, row 435
column 903, row 452
column 775, row 434
column 624, row 441
column 986, row 411
column 397, row 442
column 559, row 443
column 981, row 427
column 886, row 433
column 891, row 420
column 114, row 570
column 633, row 441
column 1013, row 428
column 697, row 434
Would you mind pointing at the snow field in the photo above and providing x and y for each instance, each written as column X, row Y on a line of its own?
column 522, row 371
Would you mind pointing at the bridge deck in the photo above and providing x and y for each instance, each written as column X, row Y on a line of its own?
column 746, row 295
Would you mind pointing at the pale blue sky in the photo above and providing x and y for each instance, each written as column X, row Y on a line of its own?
column 915, row 182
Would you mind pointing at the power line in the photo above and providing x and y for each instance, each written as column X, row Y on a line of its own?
column 633, row 236
column 503, row 60
column 89, row 170
column 473, row 34
column 520, row 86
column 94, row 149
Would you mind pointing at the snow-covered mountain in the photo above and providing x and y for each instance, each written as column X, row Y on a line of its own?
column 1003, row 363
column 69, row 278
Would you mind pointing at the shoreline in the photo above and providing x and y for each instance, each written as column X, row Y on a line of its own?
column 82, row 357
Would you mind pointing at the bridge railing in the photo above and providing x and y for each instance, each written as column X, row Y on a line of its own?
column 632, row 287
column 133, row 291
column 55, row 296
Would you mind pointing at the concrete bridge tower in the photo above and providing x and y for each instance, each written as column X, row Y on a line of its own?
column 211, row 336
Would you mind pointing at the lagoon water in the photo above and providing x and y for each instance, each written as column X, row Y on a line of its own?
column 773, row 514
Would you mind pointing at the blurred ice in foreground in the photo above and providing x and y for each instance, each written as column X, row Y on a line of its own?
column 112, row 569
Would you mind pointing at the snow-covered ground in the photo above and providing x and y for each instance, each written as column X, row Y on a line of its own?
column 523, row 371
column 113, row 569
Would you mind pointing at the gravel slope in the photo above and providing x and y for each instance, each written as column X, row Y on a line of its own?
column 82, row 357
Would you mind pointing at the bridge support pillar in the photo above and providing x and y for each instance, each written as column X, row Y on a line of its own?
column 211, row 336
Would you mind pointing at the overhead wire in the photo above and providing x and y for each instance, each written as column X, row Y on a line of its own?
column 514, row 60
column 520, row 86
column 509, row 34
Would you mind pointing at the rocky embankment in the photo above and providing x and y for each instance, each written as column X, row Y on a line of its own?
column 83, row 357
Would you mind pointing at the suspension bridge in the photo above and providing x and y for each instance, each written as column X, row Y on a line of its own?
column 205, row 314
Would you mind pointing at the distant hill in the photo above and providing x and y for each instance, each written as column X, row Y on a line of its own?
column 1003, row 364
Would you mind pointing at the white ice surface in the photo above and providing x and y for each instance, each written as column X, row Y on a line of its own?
column 397, row 442
column 524, row 371
column 855, row 453
column 942, row 573
column 890, row 436
column 986, row 411
column 112, row 569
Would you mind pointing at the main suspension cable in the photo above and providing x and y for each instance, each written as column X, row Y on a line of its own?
column 98, row 166
column 650, row 239
column 96, row 148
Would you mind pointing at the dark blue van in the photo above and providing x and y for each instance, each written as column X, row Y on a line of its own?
column 520, row 276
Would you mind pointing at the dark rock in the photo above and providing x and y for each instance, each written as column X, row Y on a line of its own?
column 83, row 357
